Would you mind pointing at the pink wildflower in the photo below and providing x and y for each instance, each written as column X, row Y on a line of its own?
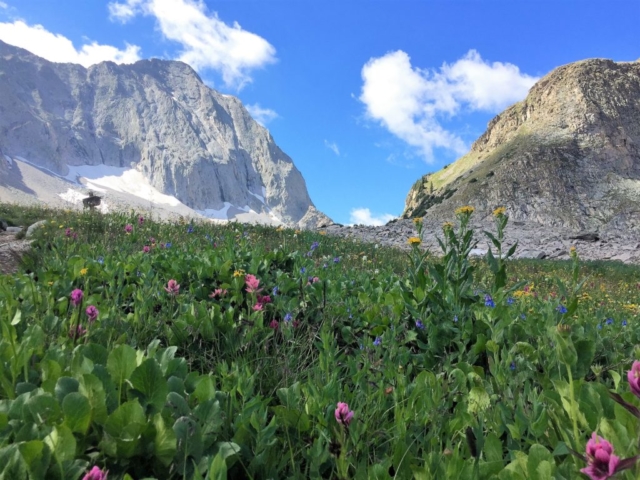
column 76, row 297
column 218, row 292
column 95, row 474
column 140, row 220
column 257, row 307
column 274, row 324
column 128, row 228
column 146, row 249
column 601, row 462
column 252, row 283
column 343, row 414
column 77, row 332
column 68, row 232
column 264, row 299
column 172, row 287
column 92, row 313
column 633, row 376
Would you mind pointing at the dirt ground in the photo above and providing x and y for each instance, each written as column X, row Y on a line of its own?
column 11, row 251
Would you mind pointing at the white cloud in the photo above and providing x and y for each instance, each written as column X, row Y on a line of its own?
column 333, row 146
column 3, row 5
column 207, row 42
column 363, row 216
column 410, row 102
column 261, row 115
column 58, row 48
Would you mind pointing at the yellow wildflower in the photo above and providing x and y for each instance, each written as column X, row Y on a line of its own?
column 467, row 209
column 280, row 229
column 414, row 241
column 297, row 232
column 322, row 232
column 238, row 273
column 417, row 221
column 49, row 283
column 499, row 211
column 447, row 226
column 84, row 271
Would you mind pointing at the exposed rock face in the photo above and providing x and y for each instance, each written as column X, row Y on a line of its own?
column 568, row 155
column 157, row 116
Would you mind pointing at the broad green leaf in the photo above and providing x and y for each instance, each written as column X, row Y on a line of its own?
column 537, row 456
column 77, row 412
column 92, row 388
column 492, row 448
column 147, row 379
column 479, row 400
column 65, row 386
column 62, row 443
column 43, row 408
column 217, row 469
column 121, row 363
column 37, row 456
column 125, row 426
column 164, row 444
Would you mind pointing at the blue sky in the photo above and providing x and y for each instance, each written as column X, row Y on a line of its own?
column 364, row 95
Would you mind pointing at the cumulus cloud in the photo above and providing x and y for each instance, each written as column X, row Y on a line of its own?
column 333, row 146
column 58, row 48
column 206, row 41
column 3, row 5
column 261, row 115
column 363, row 216
column 411, row 102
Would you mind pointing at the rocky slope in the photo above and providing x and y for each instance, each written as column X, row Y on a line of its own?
column 567, row 156
column 156, row 117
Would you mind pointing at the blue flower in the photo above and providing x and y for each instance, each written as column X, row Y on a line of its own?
column 361, row 346
column 324, row 266
column 523, row 316
column 314, row 245
column 510, row 301
column 599, row 327
column 208, row 237
column 609, row 321
column 488, row 301
column 512, row 366
column 288, row 317
column 336, row 260
column 101, row 260
column 275, row 291
column 455, row 318
column 190, row 229
column 419, row 325
column 624, row 323
column 167, row 245
column 302, row 270
column 562, row 309
column 377, row 341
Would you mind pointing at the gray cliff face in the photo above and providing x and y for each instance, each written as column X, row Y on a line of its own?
column 568, row 155
column 157, row 116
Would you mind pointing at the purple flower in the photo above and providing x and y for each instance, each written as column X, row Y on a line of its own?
column 140, row 220
column 95, row 473
column 488, row 301
column 633, row 376
column 419, row 325
column 146, row 249
column 92, row 313
column 76, row 297
column 314, row 245
column 343, row 414
column 274, row 324
column 336, row 260
column 601, row 462
column 562, row 309
column 288, row 317
column 190, row 229
column 377, row 341
column 128, row 228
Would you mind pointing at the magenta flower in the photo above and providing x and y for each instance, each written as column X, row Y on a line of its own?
column 218, row 292
column 140, row 220
column 76, row 297
column 172, row 287
column 274, row 324
column 68, row 232
column 252, row 283
column 146, row 249
column 264, row 299
column 92, row 313
column 633, row 376
column 77, row 332
column 128, row 228
column 343, row 414
column 95, row 474
column 257, row 307
column 601, row 462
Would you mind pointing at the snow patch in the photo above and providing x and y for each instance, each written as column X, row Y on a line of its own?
column 72, row 196
column 259, row 197
column 216, row 214
column 9, row 161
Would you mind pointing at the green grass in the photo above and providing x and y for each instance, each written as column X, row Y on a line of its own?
column 442, row 384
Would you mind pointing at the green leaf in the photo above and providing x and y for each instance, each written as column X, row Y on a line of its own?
column 164, row 444
column 217, row 469
column 92, row 388
column 37, row 456
column 492, row 448
column 121, row 363
column 65, row 386
column 43, row 408
column 479, row 400
column 77, row 412
column 189, row 439
column 125, row 426
column 17, row 318
column 147, row 380
column 62, row 443
column 536, row 468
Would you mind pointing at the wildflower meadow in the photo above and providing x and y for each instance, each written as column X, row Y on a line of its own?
column 138, row 349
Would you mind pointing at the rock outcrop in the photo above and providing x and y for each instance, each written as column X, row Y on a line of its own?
column 566, row 156
column 156, row 116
